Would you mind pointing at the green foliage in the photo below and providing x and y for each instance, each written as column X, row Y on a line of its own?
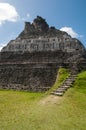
column 32, row 111
column 61, row 76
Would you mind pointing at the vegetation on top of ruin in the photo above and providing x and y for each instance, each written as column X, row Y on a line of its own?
column 61, row 77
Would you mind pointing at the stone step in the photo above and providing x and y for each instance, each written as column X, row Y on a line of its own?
column 66, row 82
column 69, row 80
column 60, row 91
column 58, row 94
column 61, row 88
column 66, row 85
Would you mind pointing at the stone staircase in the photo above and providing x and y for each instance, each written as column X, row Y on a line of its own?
column 65, row 86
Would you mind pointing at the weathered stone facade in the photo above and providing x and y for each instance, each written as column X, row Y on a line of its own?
column 66, row 44
column 31, row 61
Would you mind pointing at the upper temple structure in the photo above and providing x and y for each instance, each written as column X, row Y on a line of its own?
column 39, row 37
column 31, row 61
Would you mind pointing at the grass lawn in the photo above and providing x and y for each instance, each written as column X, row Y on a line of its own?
column 40, row 111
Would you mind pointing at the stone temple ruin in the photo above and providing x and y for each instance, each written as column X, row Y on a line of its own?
column 31, row 61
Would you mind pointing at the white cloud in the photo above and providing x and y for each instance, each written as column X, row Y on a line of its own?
column 2, row 45
column 70, row 31
column 7, row 13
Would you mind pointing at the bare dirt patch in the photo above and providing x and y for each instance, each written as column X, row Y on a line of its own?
column 51, row 99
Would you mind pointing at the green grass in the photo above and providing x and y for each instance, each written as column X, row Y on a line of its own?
column 32, row 111
column 61, row 76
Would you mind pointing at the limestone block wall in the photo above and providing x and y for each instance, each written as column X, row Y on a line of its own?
column 27, row 76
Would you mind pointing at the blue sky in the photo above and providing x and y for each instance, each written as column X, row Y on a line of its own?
column 68, row 15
